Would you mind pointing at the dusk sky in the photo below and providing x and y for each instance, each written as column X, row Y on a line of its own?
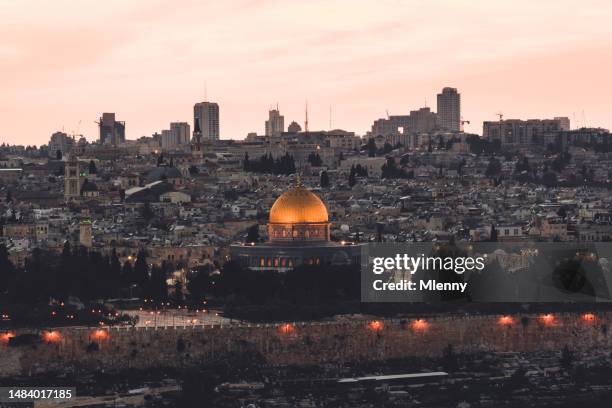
column 62, row 62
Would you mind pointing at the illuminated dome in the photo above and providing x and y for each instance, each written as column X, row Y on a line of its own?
column 298, row 215
column 298, row 206
column 299, row 233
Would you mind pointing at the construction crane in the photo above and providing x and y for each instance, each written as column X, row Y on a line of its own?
column 463, row 122
column 75, row 133
column 501, row 130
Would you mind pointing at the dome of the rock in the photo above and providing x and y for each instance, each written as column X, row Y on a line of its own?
column 298, row 206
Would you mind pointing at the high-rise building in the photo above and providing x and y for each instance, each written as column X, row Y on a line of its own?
column 422, row 120
column 419, row 121
column 275, row 124
column 520, row 132
column 112, row 131
column 176, row 136
column 207, row 113
column 60, row 142
column 449, row 109
column 165, row 140
column 564, row 123
column 180, row 132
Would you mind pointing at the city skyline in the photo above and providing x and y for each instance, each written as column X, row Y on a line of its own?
column 152, row 67
column 324, row 203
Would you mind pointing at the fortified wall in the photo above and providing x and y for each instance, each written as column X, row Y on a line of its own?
column 296, row 343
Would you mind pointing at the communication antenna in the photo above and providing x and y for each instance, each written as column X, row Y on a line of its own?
column 306, row 120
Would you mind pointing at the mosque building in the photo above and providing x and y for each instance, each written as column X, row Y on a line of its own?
column 298, row 233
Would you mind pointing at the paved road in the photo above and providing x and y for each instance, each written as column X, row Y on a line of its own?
column 175, row 317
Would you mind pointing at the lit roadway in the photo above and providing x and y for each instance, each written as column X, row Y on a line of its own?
column 177, row 317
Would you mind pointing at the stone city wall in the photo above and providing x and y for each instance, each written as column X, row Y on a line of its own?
column 298, row 343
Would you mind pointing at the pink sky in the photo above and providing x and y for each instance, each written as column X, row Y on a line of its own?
column 62, row 62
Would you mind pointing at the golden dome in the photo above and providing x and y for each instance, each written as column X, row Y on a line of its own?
column 298, row 206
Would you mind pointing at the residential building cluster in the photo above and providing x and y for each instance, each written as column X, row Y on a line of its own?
column 186, row 196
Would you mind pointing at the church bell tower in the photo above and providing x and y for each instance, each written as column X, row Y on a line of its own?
column 72, row 179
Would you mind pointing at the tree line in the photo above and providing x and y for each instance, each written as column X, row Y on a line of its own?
column 90, row 275
column 79, row 272
column 267, row 164
column 545, row 174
